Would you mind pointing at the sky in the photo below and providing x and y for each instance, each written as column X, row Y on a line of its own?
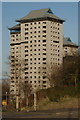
column 12, row 11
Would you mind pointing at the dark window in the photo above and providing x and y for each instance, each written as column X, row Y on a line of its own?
column 44, row 81
column 44, row 35
column 44, row 26
column 25, row 78
column 44, row 31
column 44, row 49
column 30, row 41
column 44, row 53
column 44, row 58
column 44, row 22
column 26, row 46
column 34, row 31
column 26, row 24
column 26, row 37
column 26, row 50
column 44, row 62
column 26, row 33
column 44, row 40
column 26, row 28
column 56, row 41
column 44, row 77
column 44, row 44
column 26, row 55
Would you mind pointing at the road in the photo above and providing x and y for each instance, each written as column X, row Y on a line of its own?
column 57, row 113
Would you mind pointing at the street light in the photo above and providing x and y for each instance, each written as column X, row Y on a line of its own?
column 6, row 97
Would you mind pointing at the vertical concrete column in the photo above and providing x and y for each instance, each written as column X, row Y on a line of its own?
column 35, row 102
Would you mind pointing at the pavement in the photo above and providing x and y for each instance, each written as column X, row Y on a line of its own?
column 44, row 114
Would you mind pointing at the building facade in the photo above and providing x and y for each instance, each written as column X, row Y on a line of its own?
column 35, row 43
column 70, row 49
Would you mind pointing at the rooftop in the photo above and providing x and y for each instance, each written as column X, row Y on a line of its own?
column 41, row 13
column 67, row 42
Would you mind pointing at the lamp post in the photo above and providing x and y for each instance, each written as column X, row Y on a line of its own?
column 6, row 97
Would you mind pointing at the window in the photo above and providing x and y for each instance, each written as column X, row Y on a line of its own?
column 31, row 23
column 44, row 77
column 38, row 35
column 34, row 58
column 26, row 68
column 31, row 32
column 35, row 23
column 34, row 40
column 44, row 59
column 34, row 67
column 34, row 27
column 58, row 37
column 44, row 31
column 31, row 28
column 26, row 72
column 56, row 41
column 25, row 78
column 17, row 35
column 44, row 26
column 44, row 40
column 26, row 50
column 44, row 49
column 26, row 55
column 44, row 82
column 35, row 45
column 26, row 59
column 34, row 49
column 30, row 41
column 44, row 53
column 26, row 33
column 26, row 64
column 38, row 40
column 38, row 22
column 31, row 37
column 38, row 31
column 39, row 27
column 26, row 46
column 44, row 35
column 58, row 28
column 34, row 76
column 26, row 28
column 44, row 44
column 30, row 45
column 44, row 62
column 26, row 37
column 44, row 22
column 38, row 58
column 26, row 24
column 38, row 49
column 34, row 31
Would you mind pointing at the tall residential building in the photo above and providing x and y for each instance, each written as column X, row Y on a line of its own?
column 35, row 43
column 70, row 49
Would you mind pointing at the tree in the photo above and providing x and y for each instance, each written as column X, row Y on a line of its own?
column 70, row 69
